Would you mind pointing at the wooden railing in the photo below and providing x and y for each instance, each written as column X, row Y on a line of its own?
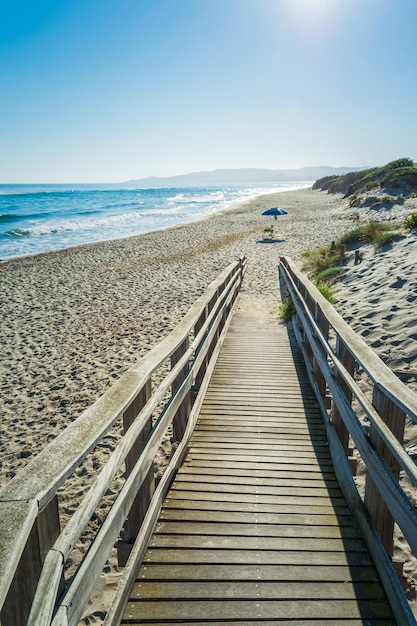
column 374, row 426
column 33, row 549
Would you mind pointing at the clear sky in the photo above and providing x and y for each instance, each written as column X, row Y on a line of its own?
column 110, row 90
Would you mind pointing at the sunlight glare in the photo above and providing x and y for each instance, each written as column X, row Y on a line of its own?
column 313, row 17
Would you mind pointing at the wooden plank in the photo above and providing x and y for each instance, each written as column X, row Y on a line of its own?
column 260, row 465
column 230, row 496
column 328, row 523
column 293, row 481
column 253, row 557
column 247, row 487
column 186, row 501
column 242, row 529
column 243, row 590
column 282, row 622
column 280, row 452
column 237, row 610
column 312, row 463
column 327, row 478
column 237, row 572
column 304, row 455
column 236, row 542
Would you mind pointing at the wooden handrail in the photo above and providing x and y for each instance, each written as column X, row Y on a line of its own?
column 332, row 352
column 29, row 523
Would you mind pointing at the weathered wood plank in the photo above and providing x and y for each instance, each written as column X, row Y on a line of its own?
column 261, row 466
column 258, row 572
column 303, row 451
column 266, row 557
column 326, row 523
column 282, row 622
column 214, row 496
column 283, row 544
column 291, row 481
column 237, row 610
column 188, row 500
column 242, row 529
column 264, row 459
column 244, row 590
column 237, row 487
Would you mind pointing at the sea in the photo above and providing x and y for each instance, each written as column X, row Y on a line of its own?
column 42, row 218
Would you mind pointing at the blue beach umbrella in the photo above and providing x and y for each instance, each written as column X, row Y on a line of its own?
column 275, row 211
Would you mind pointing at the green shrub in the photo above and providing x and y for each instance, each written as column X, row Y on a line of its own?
column 321, row 259
column 287, row 308
column 403, row 162
column 329, row 273
column 410, row 222
column 326, row 290
column 371, row 231
column 352, row 236
column 384, row 238
column 326, row 262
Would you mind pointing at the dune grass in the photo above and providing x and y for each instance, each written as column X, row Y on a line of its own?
column 326, row 263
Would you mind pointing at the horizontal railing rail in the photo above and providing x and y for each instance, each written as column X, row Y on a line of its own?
column 373, row 423
column 34, row 551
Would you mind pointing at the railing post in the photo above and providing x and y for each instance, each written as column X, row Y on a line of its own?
column 210, row 306
column 348, row 362
column 144, row 496
column 45, row 531
column 380, row 515
column 181, row 418
column 323, row 324
column 201, row 372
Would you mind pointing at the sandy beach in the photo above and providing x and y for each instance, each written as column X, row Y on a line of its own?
column 73, row 321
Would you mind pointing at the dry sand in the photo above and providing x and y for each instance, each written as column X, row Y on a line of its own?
column 73, row 321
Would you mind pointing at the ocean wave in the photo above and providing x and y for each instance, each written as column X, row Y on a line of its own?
column 68, row 225
column 10, row 217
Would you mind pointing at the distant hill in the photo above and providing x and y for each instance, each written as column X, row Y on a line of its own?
column 246, row 176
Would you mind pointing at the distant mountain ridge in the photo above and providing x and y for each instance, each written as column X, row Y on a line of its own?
column 241, row 176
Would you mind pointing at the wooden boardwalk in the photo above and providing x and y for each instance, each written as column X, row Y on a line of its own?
column 255, row 529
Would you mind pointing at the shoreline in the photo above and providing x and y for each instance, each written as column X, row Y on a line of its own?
column 118, row 230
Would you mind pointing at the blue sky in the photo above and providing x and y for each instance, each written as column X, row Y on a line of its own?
column 110, row 90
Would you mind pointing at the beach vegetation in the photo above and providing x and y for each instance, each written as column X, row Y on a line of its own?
column 287, row 308
column 352, row 237
column 376, row 233
column 322, row 259
column 379, row 234
column 410, row 222
column 399, row 174
column 326, row 263
column 326, row 290
column 329, row 274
